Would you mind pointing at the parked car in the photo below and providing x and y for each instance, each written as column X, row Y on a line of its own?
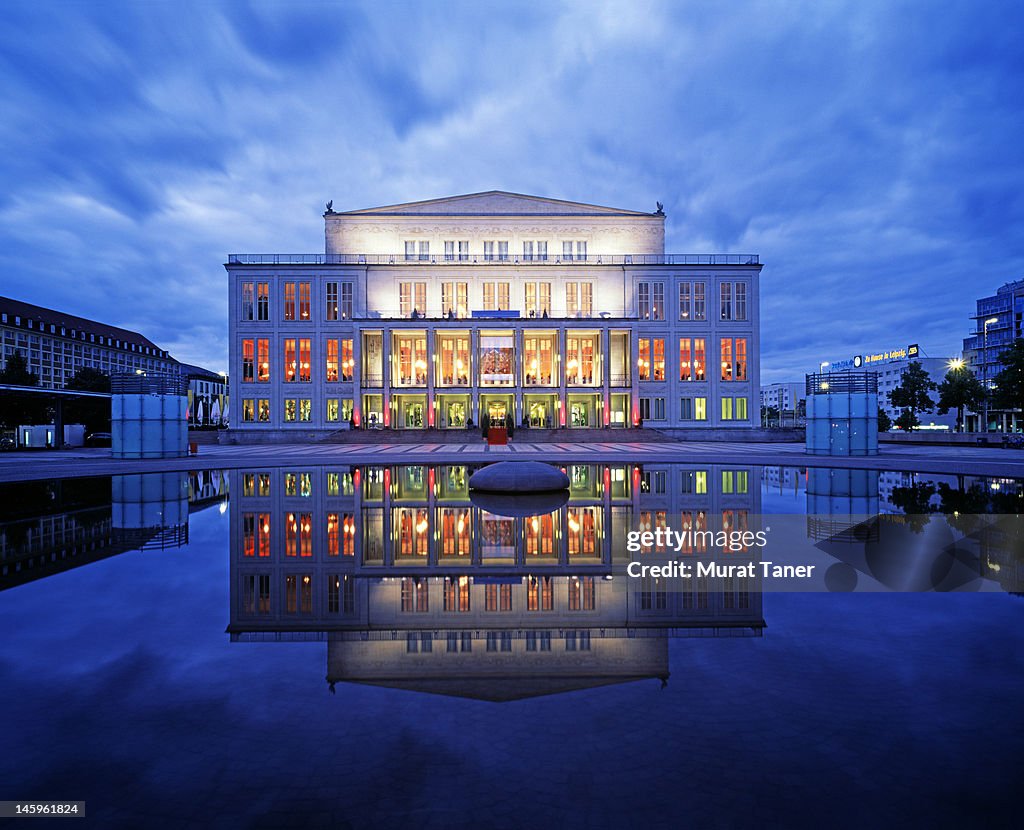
column 7, row 443
column 98, row 439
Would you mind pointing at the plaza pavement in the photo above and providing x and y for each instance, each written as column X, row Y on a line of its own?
column 46, row 464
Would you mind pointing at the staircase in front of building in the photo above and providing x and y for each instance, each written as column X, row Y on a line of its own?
column 473, row 436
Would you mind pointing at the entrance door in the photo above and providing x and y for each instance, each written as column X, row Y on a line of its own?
column 579, row 416
column 413, row 415
column 496, row 410
column 539, row 415
column 456, row 414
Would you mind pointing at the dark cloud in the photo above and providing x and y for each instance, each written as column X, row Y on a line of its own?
column 867, row 151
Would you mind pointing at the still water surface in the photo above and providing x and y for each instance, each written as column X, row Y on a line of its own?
column 368, row 648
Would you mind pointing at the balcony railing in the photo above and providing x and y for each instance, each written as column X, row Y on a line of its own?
column 479, row 259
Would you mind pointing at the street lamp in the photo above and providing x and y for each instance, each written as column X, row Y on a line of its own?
column 984, row 365
column 956, row 364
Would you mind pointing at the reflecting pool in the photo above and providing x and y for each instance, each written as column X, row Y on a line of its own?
column 374, row 646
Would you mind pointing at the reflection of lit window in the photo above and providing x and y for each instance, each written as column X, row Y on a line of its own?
column 456, row 593
column 414, row 595
column 581, row 593
column 498, row 598
column 539, row 594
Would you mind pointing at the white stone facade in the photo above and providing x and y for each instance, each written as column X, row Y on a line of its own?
column 435, row 313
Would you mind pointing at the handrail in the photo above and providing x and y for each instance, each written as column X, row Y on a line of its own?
column 479, row 259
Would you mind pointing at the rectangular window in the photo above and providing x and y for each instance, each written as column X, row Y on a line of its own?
column 740, row 300
column 658, row 409
column 331, row 365
column 528, row 251
column 741, row 409
column 537, row 299
column 581, row 251
column 415, row 599
column 263, row 360
column 289, row 301
column 290, row 361
column 726, row 409
column 331, row 300
column 685, row 306
column 496, row 296
column 685, row 358
column 348, row 360
column 579, row 299
column 699, row 302
column 456, row 593
column 248, row 361
column 290, row 410
column 424, row 247
column 650, row 300
column 454, row 299
column 410, row 251
column 263, row 410
column 305, row 361
column 734, row 358
column 651, row 365
column 542, row 250
column 263, row 301
column 503, row 250
column 581, row 593
column 725, row 293
column 248, row 410
column 346, row 301
column 449, row 250
column 539, row 594
column 332, row 410
column 700, row 409
column 488, row 250
column 305, row 409
column 412, row 297
column 498, row 598
column 248, row 301
column 567, row 251
column 686, row 409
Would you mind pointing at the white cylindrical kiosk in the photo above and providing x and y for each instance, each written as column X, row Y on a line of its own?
column 148, row 415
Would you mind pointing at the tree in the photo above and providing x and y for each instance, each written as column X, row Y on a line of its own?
column 16, row 372
column 18, row 408
column 769, row 414
column 1009, row 383
column 884, row 421
column 93, row 412
column 960, row 390
column 912, row 395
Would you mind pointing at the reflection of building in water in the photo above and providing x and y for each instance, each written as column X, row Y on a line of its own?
column 784, row 479
column 926, row 533
column 414, row 586
column 839, row 499
column 47, row 527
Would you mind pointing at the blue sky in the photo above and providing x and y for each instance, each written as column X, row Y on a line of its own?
column 871, row 152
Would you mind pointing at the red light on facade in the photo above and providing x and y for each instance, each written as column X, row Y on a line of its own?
column 561, row 416
column 636, row 416
column 387, row 480
column 636, row 478
column 607, row 479
column 607, row 413
column 355, row 417
column 430, row 417
column 430, row 479
column 357, row 476
column 387, row 416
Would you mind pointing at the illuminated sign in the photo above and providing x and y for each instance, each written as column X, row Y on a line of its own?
column 857, row 361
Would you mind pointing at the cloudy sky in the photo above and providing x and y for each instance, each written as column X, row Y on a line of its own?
column 871, row 152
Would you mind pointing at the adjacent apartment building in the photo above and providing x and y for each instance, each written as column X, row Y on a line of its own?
column 56, row 345
column 434, row 313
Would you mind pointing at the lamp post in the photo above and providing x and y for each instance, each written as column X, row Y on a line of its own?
column 984, row 365
column 957, row 365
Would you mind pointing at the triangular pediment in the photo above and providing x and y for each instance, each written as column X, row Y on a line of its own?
column 494, row 203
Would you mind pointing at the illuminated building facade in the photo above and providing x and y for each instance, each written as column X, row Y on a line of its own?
column 436, row 313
